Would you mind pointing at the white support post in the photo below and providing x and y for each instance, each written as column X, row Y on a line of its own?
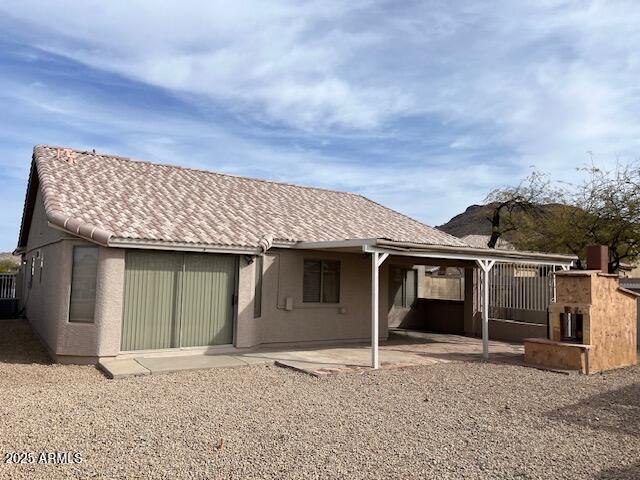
column 375, row 361
column 486, row 266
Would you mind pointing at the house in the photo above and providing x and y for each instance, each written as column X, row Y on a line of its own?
column 122, row 256
column 481, row 241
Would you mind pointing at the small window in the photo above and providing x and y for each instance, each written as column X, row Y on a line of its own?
column 257, row 297
column 41, row 267
column 83, row 284
column 321, row 281
column 32, row 271
column 404, row 286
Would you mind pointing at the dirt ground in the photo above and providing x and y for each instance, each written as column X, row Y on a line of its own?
column 464, row 419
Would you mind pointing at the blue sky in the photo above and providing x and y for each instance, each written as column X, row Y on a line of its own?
column 422, row 106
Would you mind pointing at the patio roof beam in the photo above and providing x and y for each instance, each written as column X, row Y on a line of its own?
column 452, row 255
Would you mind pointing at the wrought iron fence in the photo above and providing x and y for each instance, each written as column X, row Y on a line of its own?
column 7, row 286
column 521, row 286
column 519, row 292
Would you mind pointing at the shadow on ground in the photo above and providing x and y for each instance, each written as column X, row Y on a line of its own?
column 494, row 358
column 621, row 473
column 19, row 345
column 617, row 411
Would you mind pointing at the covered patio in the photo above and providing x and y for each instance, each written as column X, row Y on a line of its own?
column 403, row 348
column 473, row 260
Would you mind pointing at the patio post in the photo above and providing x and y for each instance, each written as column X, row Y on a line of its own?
column 486, row 266
column 376, row 260
column 375, row 360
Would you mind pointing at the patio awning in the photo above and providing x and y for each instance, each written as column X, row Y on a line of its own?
column 381, row 245
column 485, row 258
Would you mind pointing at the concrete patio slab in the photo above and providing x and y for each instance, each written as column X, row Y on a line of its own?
column 403, row 349
column 132, row 367
column 122, row 368
column 191, row 362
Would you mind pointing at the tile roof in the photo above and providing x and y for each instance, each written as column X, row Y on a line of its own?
column 105, row 196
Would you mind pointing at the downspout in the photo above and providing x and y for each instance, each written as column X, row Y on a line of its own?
column 265, row 243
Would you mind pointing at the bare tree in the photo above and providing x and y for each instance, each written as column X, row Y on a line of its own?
column 511, row 203
column 603, row 208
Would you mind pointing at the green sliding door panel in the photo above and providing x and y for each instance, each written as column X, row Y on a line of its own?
column 207, row 300
column 151, row 295
column 177, row 299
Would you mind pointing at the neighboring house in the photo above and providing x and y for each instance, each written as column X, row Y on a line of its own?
column 481, row 241
column 447, row 283
column 124, row 256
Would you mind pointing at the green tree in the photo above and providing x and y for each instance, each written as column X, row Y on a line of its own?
column 602, row 209
column 509, row 205
column 7, row 266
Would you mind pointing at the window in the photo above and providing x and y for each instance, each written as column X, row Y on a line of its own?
column 404, row 286
column 321, row 281
column 257, row 297
column 32, row 271
column 83, row 284
column 41, row 267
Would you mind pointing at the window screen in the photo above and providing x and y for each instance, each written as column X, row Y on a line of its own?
column 330, row 282
column 257, row 298
column 83, row 284
column 312, row 281
column 321, row 281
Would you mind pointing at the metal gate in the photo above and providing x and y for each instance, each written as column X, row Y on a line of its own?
column 8, row 286
column 177, row 300
column 8, row 300
column 520, row 292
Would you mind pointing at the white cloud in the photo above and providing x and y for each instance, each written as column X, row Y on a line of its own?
column 528, row 68
column 434, row 101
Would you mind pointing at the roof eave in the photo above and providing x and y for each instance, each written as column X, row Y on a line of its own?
column 78, row 228
column 472, row 253
column 116, row 242
column 440, row 251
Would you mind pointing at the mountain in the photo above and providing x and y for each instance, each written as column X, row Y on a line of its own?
column 473, row 221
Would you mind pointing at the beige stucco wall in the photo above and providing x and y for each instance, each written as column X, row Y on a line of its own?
column 348, row 320
column 42, row 300
column 247, row 329
column 46, row 301
column 102, row 337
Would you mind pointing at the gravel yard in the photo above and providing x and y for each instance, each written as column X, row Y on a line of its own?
column 456, row 420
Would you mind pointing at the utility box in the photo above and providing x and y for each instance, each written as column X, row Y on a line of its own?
column 593, row 325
